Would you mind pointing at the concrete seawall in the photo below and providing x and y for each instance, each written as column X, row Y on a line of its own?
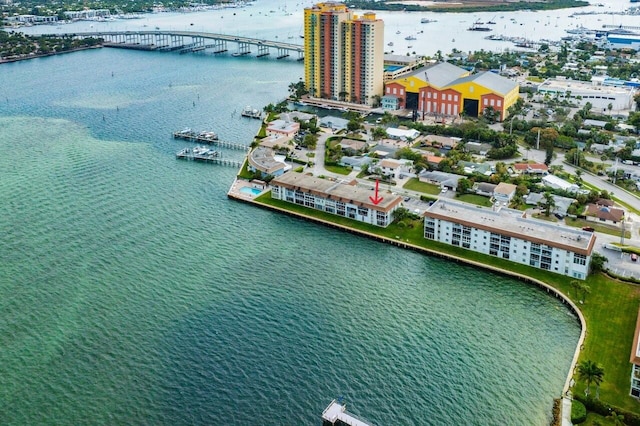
column 529, row 280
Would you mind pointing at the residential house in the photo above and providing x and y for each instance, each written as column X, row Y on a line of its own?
column 444, row 142
column 504, row 192
column 484, row 188
column 531, row 168
column 442, row 179
column 604, row 213
column 265, row 161
column 394, row 168
column 283, row 128
column 553, row 181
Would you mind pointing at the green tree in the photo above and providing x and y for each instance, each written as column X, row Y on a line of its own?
column 590, row 372
column 549, row 203
column 617, row 419
column 597, row 262
column 464, row 185
column 400, row 214
column 634, row 120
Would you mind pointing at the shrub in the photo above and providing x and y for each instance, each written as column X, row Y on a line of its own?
column 557, row 419
column 578, row 412
column 599, row 407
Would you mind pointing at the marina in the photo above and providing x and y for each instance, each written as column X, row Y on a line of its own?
column 206, row 137
column 204, row 154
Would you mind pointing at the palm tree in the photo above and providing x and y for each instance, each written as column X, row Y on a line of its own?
column 549, row 203
column 618, row 419
column 589, row 372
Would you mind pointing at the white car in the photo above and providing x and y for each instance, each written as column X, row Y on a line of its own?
column 444, row 191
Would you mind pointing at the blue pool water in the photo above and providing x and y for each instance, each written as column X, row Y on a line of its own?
column 252, row 191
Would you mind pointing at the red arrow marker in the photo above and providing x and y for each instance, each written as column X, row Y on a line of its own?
column 375, row 199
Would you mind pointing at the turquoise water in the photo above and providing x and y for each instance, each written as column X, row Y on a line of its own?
column 132, row 291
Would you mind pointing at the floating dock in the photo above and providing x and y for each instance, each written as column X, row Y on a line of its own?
column 190, row 135
column 336, row 414
column 201, row 153
column 209, row 138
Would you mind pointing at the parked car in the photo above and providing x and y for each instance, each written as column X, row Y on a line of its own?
column 634, row 257
column 588, row 229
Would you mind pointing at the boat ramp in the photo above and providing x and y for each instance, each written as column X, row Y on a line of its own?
column 204, row 154
column 336, row 414
column 209, row 138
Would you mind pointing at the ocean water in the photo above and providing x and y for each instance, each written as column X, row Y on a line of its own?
column 132, row 291
column 282, row 20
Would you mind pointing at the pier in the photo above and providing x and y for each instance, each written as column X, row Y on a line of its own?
column 206, row 155
column 336, row 414
column 209, row 138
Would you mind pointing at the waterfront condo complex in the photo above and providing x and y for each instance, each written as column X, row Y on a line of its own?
column 335, row 197
column 344, row 53
column 510, row 234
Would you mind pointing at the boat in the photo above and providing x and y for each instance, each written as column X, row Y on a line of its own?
column 477, row 26
column 251, row 112
column 390, row 43
column 427, row 20
column 410, row 37
column 398, row 32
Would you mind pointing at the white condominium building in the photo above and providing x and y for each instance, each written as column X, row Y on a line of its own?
column 509, row 234
column 339, row 198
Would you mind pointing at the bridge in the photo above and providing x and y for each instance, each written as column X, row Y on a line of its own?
column 190, row 41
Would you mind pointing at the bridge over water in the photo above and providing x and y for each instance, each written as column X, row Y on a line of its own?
column 192, row 41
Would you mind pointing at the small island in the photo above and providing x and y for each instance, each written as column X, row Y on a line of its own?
column 465, row 6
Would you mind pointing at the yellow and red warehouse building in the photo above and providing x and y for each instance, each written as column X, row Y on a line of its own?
column 444, row 89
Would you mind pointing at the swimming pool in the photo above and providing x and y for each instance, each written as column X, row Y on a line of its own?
column 251, row 191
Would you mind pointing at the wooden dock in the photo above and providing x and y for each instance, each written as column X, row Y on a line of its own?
column 207, row 156
column 336, row 414
column 209, row 138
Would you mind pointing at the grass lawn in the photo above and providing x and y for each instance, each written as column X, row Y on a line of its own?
column 610, row 308
column 594, row 419
column 535, row 78
column 600, row 227
column 414, row 184
column 542, row 216
column 478, row 200
column 341, row 170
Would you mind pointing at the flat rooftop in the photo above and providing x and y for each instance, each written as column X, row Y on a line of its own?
column 338, row 190
column 511, row 222
column 573, row 85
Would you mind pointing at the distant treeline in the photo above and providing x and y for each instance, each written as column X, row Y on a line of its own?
column 16, row 46
column 38, row 7
column 490, row 7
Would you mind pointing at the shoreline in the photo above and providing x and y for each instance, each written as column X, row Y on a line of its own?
column 430, row 252
column 44, row 55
